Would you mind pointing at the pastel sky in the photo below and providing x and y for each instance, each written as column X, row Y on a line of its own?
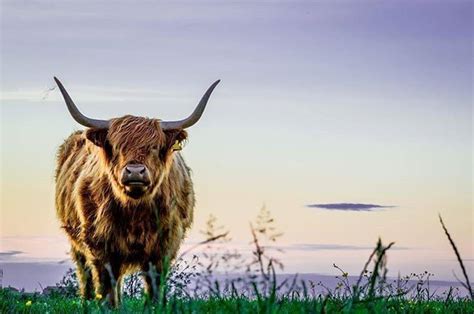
column 321, row 102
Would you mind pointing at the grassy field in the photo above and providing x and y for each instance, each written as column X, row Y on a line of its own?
column 197, row 286
column 20, row 303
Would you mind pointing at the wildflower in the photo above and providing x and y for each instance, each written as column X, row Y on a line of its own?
column 28, row 303
column 98, row 296
column 345, row 275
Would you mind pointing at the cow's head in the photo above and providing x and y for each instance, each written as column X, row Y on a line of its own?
column 137, row 151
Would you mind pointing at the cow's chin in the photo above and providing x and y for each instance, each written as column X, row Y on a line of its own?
column 136, row 192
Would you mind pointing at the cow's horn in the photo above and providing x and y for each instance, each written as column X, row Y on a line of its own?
column 77, row 115
column 194, row 117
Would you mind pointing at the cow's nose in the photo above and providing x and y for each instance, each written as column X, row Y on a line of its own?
column 135, row 169
column 135, row 174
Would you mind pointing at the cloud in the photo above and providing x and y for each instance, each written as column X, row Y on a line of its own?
column 93, row 94
column 350, row 206
column 320, row 247
column 8, row 255
column 332, row 247
column 20, row 249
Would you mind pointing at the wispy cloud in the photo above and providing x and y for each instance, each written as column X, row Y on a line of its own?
column 20, row 249
column 7, row 255
column 327, row 247
column 91, row 93
column 350, row 206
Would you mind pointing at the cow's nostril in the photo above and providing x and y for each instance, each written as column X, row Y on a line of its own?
column 142, row 171
column 127, row 170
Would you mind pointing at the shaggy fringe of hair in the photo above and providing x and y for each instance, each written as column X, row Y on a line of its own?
column 130, row 132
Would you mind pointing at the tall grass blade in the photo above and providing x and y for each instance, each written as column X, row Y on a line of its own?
column 466, row 285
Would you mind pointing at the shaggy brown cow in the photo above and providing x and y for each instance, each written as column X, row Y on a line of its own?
column 124, row 196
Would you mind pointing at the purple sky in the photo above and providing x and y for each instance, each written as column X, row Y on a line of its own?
column 321, row 102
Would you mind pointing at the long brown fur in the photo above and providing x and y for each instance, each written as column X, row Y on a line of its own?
column 112, row 234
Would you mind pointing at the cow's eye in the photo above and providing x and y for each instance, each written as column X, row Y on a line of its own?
column 154, row 148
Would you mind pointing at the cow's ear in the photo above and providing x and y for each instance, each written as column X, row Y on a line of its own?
column 97, row 136
column 175, row 139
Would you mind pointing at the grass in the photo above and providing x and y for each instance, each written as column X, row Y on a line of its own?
column 192, row 287
column 12, row 302
column 15, row 302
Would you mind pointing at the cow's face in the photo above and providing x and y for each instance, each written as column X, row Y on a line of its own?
column 137, row 153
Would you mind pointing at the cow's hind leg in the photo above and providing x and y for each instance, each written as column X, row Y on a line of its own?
column 84, row 275
column 152, row 281
column 107, row 281
column 152, row 285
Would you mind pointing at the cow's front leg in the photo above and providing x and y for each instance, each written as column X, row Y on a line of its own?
column 84, row 275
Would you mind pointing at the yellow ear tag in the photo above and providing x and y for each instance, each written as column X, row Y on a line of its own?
column 177, row 146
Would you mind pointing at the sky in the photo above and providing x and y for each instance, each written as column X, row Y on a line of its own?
column 328, row 103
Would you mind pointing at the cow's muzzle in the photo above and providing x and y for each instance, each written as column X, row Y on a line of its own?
column 135, row 179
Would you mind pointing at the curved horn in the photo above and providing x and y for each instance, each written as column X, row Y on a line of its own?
column 194, row 117
column 77, row 115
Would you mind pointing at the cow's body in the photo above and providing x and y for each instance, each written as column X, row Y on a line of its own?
column 124, row 196
column 102, row 230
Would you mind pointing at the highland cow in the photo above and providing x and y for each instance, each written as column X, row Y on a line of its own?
column 124, row 196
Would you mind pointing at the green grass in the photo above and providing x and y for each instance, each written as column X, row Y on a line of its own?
column 14, row 302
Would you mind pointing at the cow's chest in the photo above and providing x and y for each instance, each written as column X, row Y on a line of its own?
column 137, row 235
